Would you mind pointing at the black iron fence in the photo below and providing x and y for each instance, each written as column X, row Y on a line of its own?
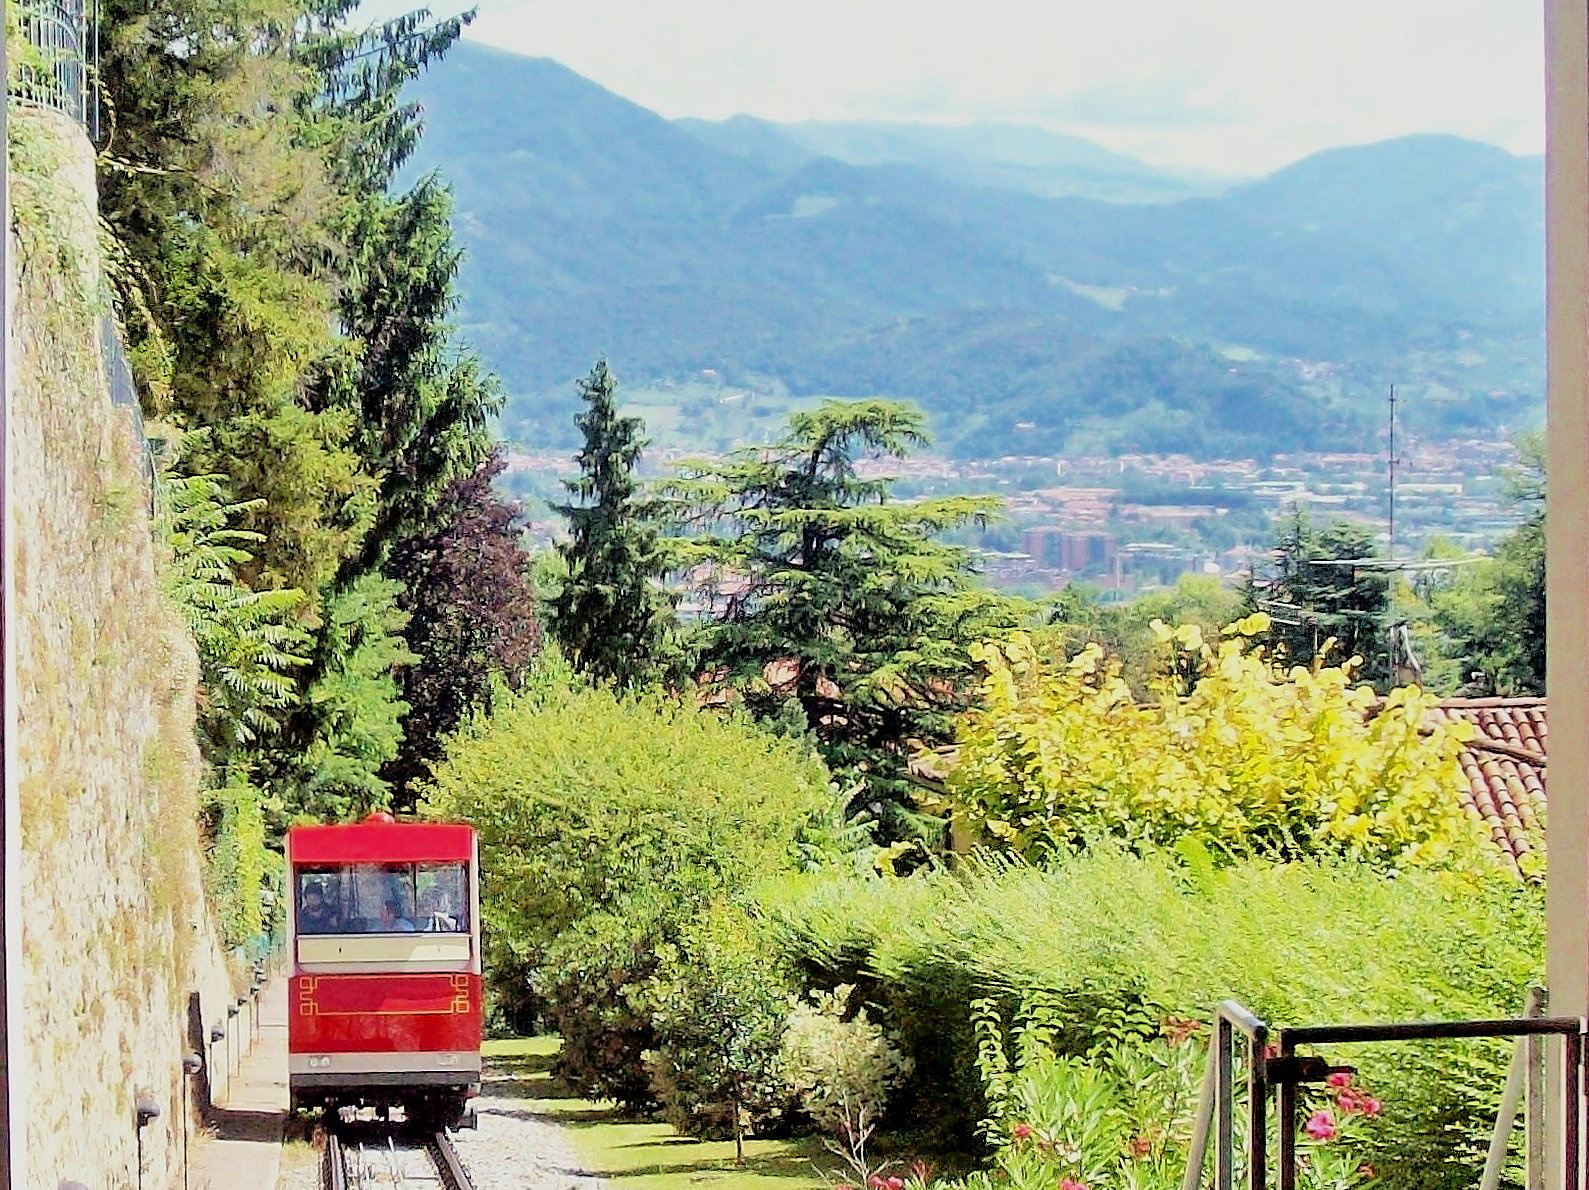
column 1273, row 1065
column 54, row 64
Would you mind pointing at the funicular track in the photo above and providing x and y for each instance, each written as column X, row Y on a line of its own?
column 376, row 1155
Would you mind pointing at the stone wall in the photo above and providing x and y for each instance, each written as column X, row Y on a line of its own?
column 116, row 936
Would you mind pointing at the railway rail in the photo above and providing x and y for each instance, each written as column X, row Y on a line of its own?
column 370, row 1156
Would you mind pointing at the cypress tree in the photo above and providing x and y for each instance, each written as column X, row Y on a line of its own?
column 610, row 616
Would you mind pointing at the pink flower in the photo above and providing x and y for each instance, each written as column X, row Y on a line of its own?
column 1354, row 1102
column 1020, row 1132
column 1073, row 1184
column 1179, row 1029
column 895, row 1183
column 876, row 1182
column 1341, row 1078
column 1320, row 1126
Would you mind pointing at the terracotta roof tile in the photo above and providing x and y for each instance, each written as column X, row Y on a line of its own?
column 1503, row 767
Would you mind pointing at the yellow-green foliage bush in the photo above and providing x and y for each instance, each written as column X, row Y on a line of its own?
column 1249, row 761
column 237, row 862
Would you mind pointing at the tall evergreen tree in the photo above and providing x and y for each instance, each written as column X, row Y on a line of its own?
column 1326, row 584
column 284, row 301
column 421, row 405
column 610, row 614
column 836, row 611
column 419, row 402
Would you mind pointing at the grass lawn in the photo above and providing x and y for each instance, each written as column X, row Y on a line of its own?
column 646, row 1156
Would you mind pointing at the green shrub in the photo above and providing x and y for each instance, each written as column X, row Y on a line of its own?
column 718, row 1004
column 1230, row 755
column 581, row 796
column 1111, row 944
column 593, row 979
column 608, row 824
column 238, row 865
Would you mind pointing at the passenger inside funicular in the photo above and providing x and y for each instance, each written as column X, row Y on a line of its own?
column 382, row 898
column 392, row 919
column 436, row 911
column 316, row 915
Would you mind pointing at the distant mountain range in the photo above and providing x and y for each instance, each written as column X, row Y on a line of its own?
column 1035, row 293
column 1001, row 156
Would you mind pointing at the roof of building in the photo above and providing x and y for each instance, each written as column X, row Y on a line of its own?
column 1503, row 768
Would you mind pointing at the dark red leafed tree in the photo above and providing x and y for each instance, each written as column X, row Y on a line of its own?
column 473, row 617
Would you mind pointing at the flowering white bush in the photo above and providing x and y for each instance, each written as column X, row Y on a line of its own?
column 843, row 1069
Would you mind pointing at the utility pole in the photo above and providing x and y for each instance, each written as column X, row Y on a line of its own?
column 1391, row 552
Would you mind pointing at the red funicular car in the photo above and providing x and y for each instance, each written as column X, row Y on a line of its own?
column 384, row 1006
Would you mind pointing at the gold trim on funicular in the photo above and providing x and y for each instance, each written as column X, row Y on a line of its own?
column 308, row 1005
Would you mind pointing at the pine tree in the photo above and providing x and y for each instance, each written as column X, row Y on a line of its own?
column 1325, row 586
column 421, row 405
column 610, row 614
column 419, row 402
column 836, row 611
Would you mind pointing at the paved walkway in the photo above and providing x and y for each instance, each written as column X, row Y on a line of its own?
column 250, row 1104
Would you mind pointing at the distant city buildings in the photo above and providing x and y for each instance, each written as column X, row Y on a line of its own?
column 1052, row 548
column 1135, row 522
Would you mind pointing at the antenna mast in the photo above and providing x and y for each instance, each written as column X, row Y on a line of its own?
column 1393, row 461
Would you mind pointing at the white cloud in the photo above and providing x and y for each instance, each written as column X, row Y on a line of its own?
column 1220, row 84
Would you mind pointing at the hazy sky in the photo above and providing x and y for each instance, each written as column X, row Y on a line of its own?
column 1227, row 85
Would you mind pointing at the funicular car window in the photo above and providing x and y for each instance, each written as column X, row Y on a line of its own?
column 382, row 899
column 443, row 898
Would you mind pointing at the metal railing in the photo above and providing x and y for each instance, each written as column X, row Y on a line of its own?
column 1273, row 1062
column 59, row 56
column 124, row 395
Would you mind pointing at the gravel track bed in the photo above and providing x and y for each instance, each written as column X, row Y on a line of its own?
column 516, row 1149
column 513, row 1149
